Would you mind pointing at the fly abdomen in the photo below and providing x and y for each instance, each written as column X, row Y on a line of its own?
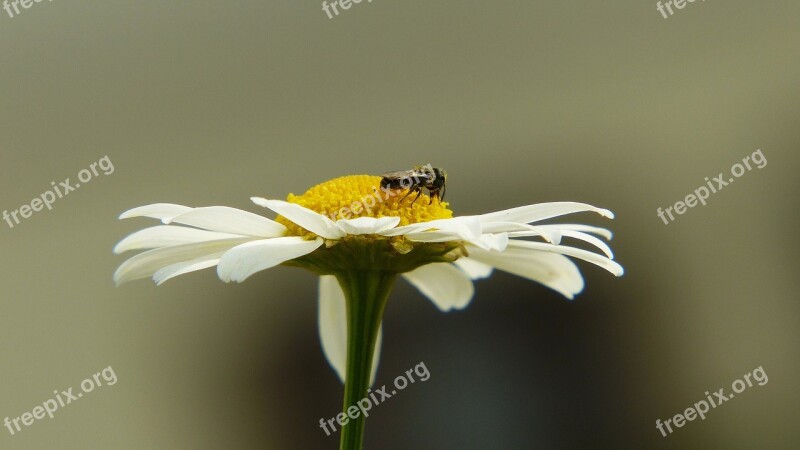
column 392, row 183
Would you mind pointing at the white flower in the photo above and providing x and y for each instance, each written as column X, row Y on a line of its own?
column 240, row 243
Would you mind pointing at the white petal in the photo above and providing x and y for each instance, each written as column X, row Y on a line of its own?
column 367, row 225
column 474, row 268
column 174, row 270
column 166, row 235
column 304, row 217
column 230, row 220
column 541, row 211
column 550, row 269
column 238, row 263
column 467, row 228
column 497, row 242
column 156, row 211
column 590, row 239
column 332, row 320
column 604, row 232
column 447, row 286
column 434, row 236
column 333, row 327
column 594, row 258
column 147, row 263
column 573, row 234
column 551, row 235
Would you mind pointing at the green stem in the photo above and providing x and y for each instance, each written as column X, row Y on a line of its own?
column 366, row 292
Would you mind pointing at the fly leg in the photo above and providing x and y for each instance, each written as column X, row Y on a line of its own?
column 419, row 192
column 410, row 191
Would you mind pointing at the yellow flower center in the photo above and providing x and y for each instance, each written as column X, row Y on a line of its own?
column 354, row 196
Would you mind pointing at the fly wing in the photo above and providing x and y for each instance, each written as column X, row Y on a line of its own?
column 399, row 174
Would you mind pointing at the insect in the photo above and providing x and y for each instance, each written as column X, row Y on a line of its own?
column 415, row 180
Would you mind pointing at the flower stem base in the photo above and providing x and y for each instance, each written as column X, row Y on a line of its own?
column 366, row 293
column 366, row 268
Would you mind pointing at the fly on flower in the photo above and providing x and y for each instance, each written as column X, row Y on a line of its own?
column 430, row 178
column 358, row 259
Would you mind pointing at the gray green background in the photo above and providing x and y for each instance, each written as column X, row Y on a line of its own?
column 209, row 103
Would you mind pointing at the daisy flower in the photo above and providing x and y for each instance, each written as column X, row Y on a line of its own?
column 359, row 238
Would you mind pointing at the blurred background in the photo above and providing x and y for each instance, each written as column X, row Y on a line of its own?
column 208, row 103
